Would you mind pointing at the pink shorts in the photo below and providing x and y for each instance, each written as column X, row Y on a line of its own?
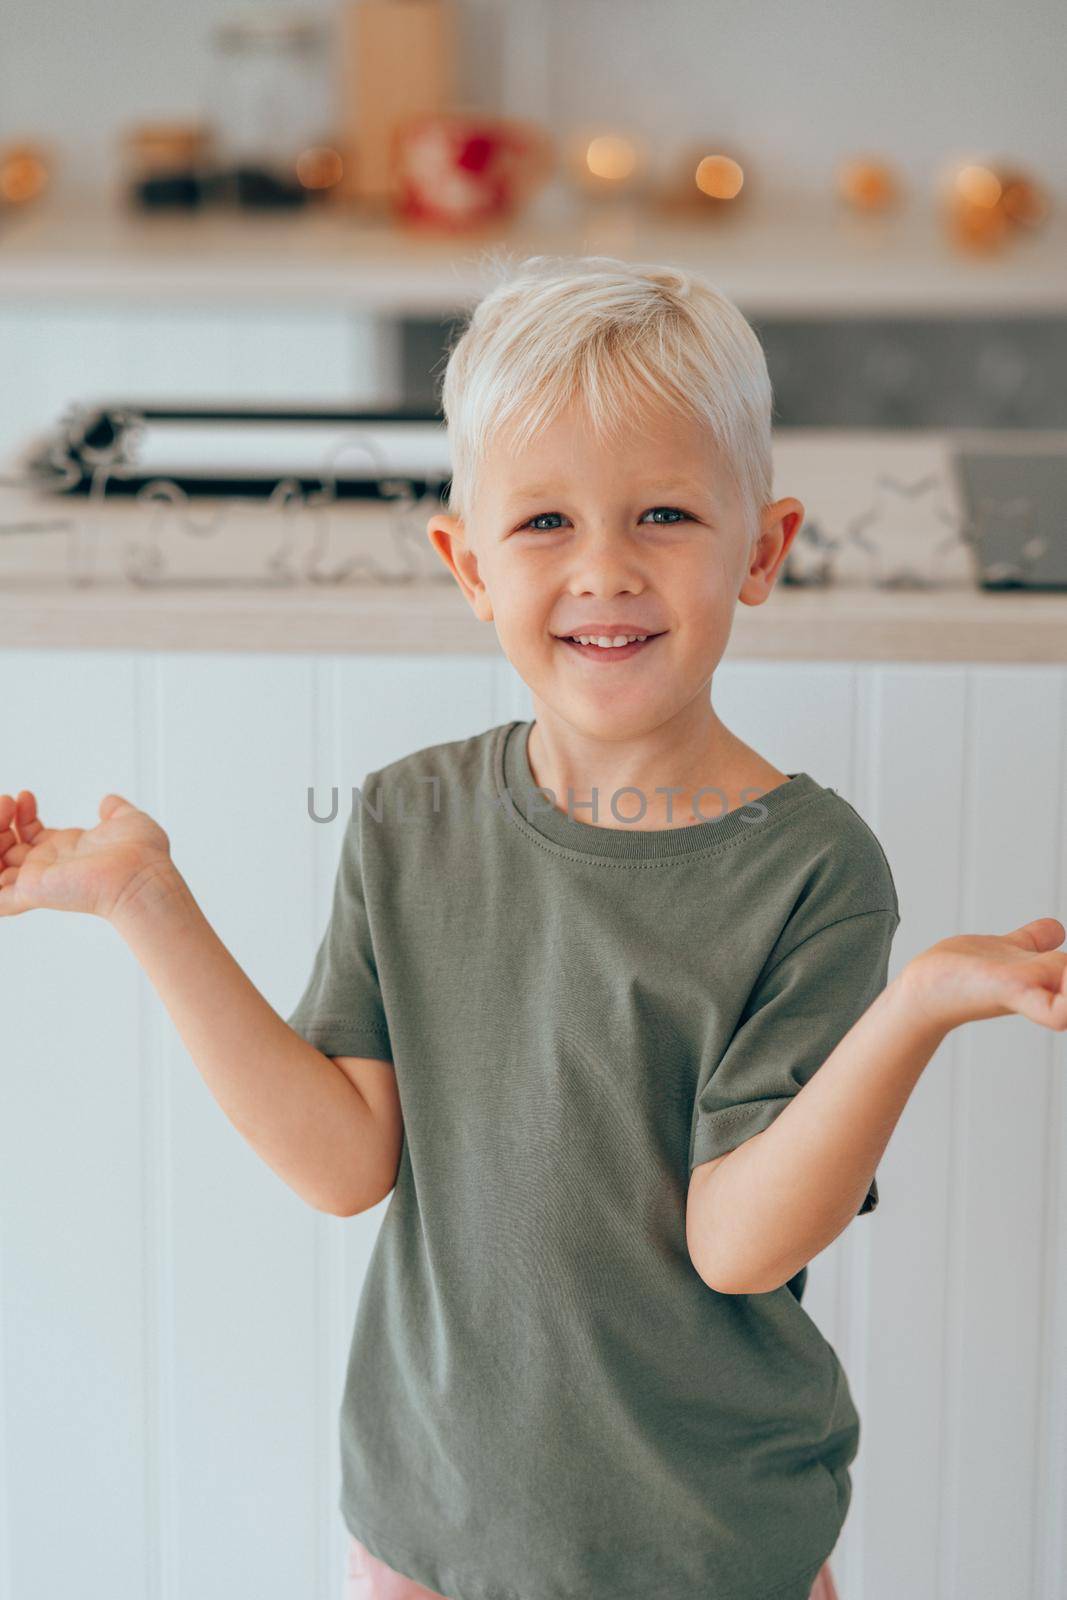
column 368, row 1578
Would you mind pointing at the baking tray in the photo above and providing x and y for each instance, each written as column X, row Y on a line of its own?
column 119, row 448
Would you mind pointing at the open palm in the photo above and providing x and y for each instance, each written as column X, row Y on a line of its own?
column 974, row 976
column 76, row 869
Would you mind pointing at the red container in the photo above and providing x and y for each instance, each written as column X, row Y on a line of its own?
column 455, row 172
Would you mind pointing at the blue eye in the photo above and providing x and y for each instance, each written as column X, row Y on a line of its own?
column 677, row 516
column 681, row 516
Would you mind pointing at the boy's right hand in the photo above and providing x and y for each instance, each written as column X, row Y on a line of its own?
column 96, row 870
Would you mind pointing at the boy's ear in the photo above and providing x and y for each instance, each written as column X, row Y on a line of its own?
column 448, row 535
column 779, row 524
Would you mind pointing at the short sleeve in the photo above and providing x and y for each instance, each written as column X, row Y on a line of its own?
column 799, row 1011
column 340, row 1011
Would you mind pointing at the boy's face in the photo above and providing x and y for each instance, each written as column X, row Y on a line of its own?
column 644, row 535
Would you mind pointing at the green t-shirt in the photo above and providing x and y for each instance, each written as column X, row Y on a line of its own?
column 543, row 1399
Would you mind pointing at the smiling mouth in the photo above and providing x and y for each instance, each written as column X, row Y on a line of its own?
column 608, row 653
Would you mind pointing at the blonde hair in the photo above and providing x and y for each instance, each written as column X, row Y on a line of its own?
column 611, row 334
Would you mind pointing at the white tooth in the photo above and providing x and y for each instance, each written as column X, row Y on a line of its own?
column 608, row 644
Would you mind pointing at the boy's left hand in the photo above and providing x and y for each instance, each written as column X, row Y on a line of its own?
column 974, row 976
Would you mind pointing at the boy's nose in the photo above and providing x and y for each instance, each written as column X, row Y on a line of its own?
column 606, row 565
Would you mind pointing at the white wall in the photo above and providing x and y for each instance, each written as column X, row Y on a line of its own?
column 793, row 87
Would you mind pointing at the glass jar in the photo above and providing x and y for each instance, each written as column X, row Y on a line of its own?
column 271, row 83
column 167, row 165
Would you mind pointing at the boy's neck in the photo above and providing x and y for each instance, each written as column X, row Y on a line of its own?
column 694, row 754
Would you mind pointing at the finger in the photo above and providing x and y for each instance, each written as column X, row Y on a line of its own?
column 27, row 822
column 112, row 804
column 1044, row 933
column 8, row 875
column 10, row 841
column 15, row 856
column 9, row 811
column 1044, row 1006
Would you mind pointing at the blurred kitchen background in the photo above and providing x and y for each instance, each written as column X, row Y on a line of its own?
column 881, row 188
column 234, row 247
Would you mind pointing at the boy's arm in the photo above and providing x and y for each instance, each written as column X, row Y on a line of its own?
column 755, row 1216
column 332, row 1132
column 758, row 1214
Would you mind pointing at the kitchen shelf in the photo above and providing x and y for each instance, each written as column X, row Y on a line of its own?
column 815, row 260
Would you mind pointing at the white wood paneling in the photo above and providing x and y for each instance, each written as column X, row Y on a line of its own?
column 174, row 1322
column 72, row 1142
column 1003, row 1087
column 920, row 716
column 234, row 738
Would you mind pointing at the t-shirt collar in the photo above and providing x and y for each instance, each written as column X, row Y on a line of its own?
column 531, row 810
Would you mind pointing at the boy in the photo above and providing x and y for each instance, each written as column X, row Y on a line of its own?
column 627, row 1060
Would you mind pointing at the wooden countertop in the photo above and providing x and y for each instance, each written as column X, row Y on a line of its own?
column 432, row 618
